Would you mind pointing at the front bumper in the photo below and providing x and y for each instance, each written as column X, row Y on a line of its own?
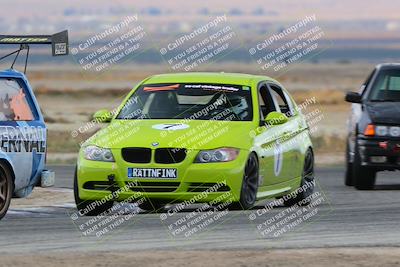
column 196, row 182
column 380, row 153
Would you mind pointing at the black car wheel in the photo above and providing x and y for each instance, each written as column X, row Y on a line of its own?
column 303, row 198
column 348, row 177
column 363, row 176
column 87, row 207
column 248, row 193
column 6, row 189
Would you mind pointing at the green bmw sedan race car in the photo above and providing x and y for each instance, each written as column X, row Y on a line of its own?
column 197, row 137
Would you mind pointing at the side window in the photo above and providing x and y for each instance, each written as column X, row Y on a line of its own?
column 14, row 105
column 266, row 102
column 282, row 102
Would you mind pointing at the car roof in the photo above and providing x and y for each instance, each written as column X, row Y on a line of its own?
column 207, row 77
column 11, row 73
column 388, row 66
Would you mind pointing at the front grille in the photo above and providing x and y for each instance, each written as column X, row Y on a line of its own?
column 136, row 154
column 170, row 155
column 202, row 187
column 155, row 187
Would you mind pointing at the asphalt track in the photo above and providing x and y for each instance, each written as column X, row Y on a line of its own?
column 345, row 218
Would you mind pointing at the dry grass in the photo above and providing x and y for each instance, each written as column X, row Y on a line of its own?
column 81, row 93
column 63, row 142
column 329, row 143
column 323, row 97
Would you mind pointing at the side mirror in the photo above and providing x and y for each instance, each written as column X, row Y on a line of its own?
column 276, row 118
column 353, row 97
column 102, row 115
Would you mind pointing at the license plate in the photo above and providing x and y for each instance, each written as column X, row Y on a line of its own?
column 153, row 173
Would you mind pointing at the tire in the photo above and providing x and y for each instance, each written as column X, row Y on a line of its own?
column 151, row 205
column 307, row 179
column 248, row 192
column 348, row 177
column 364, row 177
column 6, row 189
column 83, row 205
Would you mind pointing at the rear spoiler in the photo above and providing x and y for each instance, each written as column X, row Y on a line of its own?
column 59, row 44
column 59, row 41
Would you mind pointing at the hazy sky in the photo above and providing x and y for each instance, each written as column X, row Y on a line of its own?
column 284, row 9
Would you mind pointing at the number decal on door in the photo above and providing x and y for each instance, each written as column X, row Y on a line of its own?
column 278, row 158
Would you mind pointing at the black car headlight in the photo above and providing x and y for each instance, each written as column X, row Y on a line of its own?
column 392, row 131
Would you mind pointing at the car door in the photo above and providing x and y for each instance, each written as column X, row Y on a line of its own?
column 296, row 133
column 268, row 139
column 277, row 158
column 22, row 131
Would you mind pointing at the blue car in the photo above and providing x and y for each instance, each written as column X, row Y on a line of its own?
column 22, row 127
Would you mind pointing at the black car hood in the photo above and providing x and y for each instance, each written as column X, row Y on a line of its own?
column 384, row 112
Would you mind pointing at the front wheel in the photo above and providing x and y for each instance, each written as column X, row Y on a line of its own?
column 6, row 189
column 248, row 193
column 303, row 196
column 87, row 207
column 348, row 178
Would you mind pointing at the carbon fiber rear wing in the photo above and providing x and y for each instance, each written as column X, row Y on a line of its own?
column 59, row 44
column 58, row 41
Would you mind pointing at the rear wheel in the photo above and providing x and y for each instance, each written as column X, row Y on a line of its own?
column 87, row 207
column 364, row 177
column 248, row 193
column 6, row 189
column 303, row 197
column 348, row 178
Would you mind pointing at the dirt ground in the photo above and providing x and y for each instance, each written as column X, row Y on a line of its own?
column 382, row 257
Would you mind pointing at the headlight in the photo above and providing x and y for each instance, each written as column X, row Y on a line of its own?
column 217, row 155
column 394, row 131
column 98, row 154
column 380, row 130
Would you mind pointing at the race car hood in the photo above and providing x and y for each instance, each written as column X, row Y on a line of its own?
column 384, row 112
column 194, row 134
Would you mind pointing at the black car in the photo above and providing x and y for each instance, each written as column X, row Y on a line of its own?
column 373, row 142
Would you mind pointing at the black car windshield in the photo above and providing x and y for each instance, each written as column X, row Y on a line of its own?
column 386, row 86
column 195, row 101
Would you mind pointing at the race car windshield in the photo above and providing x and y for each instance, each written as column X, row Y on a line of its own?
column 386, row 87
column 195, row 101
